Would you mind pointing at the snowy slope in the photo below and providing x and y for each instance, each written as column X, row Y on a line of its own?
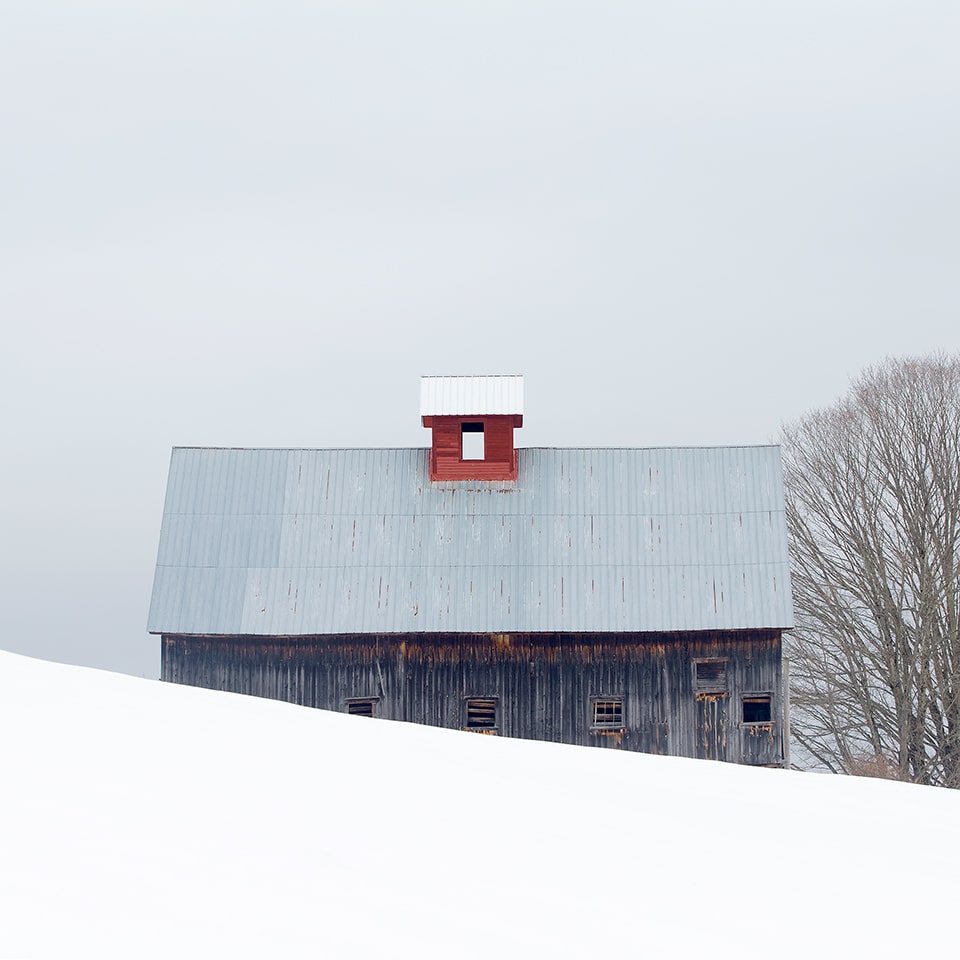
column 141, row 819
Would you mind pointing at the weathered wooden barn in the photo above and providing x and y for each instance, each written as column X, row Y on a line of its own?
column 629, row 598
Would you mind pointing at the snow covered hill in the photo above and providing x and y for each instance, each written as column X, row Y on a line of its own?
column 144, row 819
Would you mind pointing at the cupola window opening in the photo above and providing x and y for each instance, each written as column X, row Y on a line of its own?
column 471, row 441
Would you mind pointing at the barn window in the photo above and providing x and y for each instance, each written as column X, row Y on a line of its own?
column 361, row 707
column 471, row 441
column 608, row 713
column 482, row 713
column 758, row 708
column 710, row 676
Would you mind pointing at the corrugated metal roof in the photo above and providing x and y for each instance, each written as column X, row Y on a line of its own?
column 302, row 542
column 470, row 396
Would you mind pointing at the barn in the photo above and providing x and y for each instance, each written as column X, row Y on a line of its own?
column 629, row 598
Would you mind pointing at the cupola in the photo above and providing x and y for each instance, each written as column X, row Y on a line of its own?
column 472, row 420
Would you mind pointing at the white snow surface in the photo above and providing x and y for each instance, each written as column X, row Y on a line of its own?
column 147, row 819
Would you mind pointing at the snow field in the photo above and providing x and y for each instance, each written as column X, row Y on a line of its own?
column 147, row 819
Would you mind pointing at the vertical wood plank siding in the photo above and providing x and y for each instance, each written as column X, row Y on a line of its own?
column 543, row 683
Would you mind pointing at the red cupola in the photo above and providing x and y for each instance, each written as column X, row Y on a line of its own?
column 472, row 419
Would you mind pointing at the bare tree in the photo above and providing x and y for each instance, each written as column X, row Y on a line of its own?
column 873, row 514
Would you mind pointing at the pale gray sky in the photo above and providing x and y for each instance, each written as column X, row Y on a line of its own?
column 259, row 224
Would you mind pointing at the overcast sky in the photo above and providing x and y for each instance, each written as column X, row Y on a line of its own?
column 260, row 223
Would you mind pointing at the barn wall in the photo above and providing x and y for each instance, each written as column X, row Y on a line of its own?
column 543, row 684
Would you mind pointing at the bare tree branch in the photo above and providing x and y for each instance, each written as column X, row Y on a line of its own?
column 873, row 513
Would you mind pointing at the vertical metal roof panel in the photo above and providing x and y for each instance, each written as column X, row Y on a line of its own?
column 346, row 541
column 471, row 396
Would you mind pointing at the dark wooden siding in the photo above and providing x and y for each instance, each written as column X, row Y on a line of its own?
column 544, row 685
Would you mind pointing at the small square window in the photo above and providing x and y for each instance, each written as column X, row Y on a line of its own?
column 608, row 713
column 361, row 708
column 471, row 441
column 758, row 708
column 482, row 713
column 710, row 676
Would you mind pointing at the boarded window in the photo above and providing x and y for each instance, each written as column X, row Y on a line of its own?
column 471, row 441
column 710, row 676
column 758, row 708
column 481, row 713
column 608, row 713
column 361, row 708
